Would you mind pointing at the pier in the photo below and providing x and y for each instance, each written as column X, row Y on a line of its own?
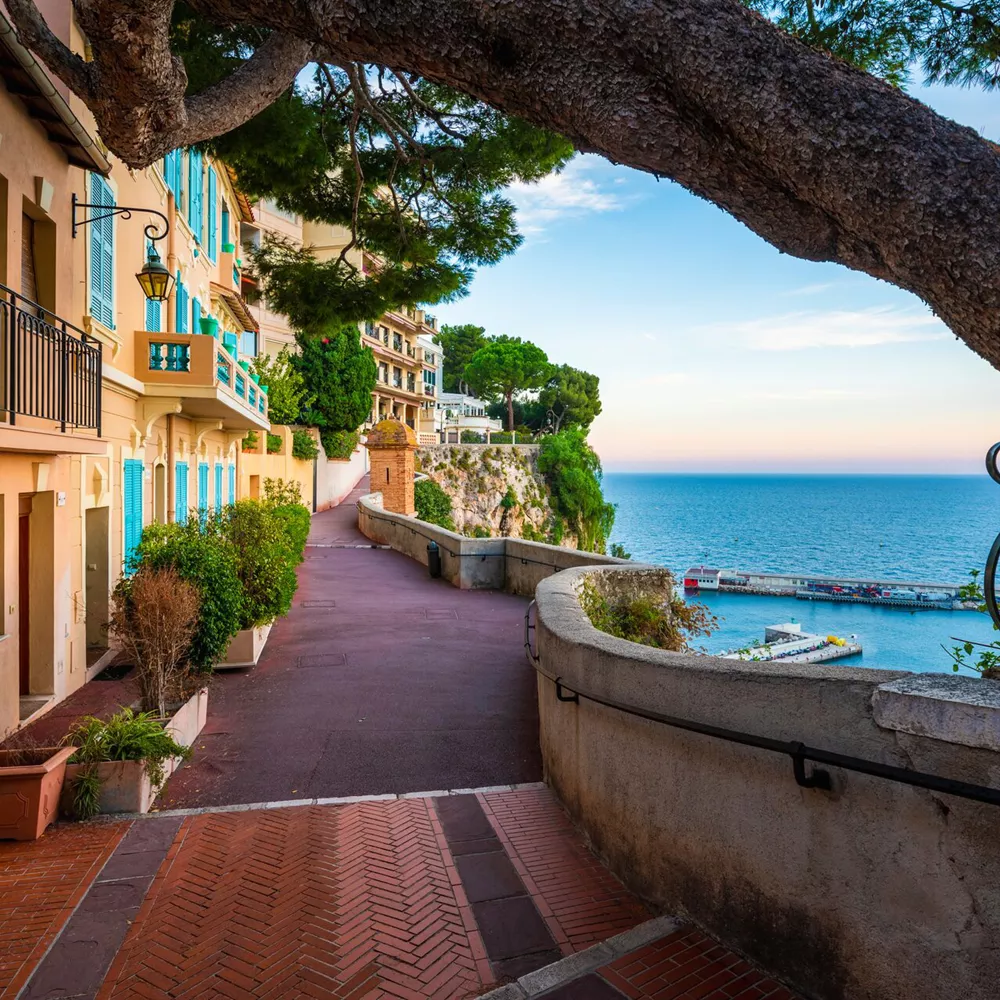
column 789, row 643
column 891, row 593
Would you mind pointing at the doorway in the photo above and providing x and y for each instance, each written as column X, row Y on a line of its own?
column 160, row 493
column 98, row 581
column 24, row 595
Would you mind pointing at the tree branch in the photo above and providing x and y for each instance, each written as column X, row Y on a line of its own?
column 39, row 37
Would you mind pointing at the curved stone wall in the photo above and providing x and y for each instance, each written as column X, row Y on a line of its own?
column 872, row 890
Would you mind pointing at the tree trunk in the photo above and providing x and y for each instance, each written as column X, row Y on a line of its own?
column 820, row 159
column 510, row 411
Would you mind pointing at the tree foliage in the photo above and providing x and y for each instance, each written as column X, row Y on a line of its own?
column 432, row 503
column 952, row 42
column 507, row 365
column 413, row 172
column 572, row 472
column 459, row 344
column 570, row 398
column 287, row 396
column 339, row 374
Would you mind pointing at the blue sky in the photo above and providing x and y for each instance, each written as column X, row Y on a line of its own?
column 718, row 353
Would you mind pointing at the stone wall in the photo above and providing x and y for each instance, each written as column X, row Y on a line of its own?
column 874, row 890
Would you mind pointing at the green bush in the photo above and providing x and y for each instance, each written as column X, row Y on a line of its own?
column 287, row 395
column 285, row 502
column 480, row 531
column 339, row 444
column 273, row 443
column 471, row 437
column 433, row 504
column 501, row 437
column 265, row 558
column 572, row 471
column 207, row 561
column 250, row 441
column 304, row 445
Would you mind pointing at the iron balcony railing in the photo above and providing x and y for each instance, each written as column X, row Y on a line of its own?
column 51, row 370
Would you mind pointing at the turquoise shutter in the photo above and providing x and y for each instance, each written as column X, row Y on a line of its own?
column 218, row 486
column 212, row 207
column 225, row 224
column 153, row 316
column 196, row 184
column 202, row 490
column 133, row 511
column 181, row 305
column 232, row 483
column 181, row 492
column 102, row 255
column 195, row 316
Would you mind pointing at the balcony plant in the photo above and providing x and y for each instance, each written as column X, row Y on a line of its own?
column 31, row 780
column 229, row 248
column 273, row 444
column 304, row 445
column 249, row 442
column 209, row 325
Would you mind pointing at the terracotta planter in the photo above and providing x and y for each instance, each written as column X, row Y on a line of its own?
column 29, row 793
column 245, row 648
column 125, row 785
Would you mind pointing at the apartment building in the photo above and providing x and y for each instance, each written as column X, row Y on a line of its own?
column 116, row 409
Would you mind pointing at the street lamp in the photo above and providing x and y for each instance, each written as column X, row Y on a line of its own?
column 154, row 279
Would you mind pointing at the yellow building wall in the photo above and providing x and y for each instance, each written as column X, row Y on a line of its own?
column 257, row 465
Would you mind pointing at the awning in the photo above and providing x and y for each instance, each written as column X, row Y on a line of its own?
column 237, row 305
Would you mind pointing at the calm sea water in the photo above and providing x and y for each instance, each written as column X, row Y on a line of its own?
column 907, row 528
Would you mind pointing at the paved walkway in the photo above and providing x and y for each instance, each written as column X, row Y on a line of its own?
column 381, row 686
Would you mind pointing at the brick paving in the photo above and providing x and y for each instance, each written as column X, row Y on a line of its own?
column 41, row 881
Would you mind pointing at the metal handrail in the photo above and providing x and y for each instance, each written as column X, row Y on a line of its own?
column 48, row 370
column 797, row 751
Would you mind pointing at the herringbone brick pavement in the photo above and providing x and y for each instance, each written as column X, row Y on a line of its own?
column 689, row 965
column 579, row 899
column 40, row 883
column 348, row 901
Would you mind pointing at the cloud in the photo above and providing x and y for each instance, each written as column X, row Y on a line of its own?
column 798, row 331
column 822, row 286
column 570, row 193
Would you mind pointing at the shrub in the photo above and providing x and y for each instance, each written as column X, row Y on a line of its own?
column 572, row 471
column 618, row 551
column 285, row 501
column 265, row 558
column 287, row 395
column 433, row 504
column 304, row 445
column 250, row 441
column 339, row 444
column 471, row 437
column 208, row 562
column 501, row 437
column 154, row 618
column 273, row 443
column 480, row 531
column 127, row 735
column 647, row 618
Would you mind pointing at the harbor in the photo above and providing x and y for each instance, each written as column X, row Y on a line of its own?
column 790, row 644
column 920, row 596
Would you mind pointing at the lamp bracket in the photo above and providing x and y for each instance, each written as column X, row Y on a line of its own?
column 152, row 231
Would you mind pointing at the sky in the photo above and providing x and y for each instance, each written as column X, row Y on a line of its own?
column 717, row 353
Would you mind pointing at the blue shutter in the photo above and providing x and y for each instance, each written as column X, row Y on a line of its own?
column 196, row 183
column 225, row 224
column 212, row 198
column 232, row 483
column 202, row 490
column 218, row 486
column 153, row 316
column 102, row 255
column 181, row 493
column 181, row 305
column 195, row 316
column 133, row 511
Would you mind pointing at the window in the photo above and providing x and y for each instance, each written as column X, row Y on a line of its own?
column 196, row 186
column 153, row 316
column 232, row 483
column 181, row 492
column 202, row 490
column 172, row 174
column 248, row 343
column 195, row 316
column 132, row 507
column 212, row 199
column 218, row 486
column 102, row 255
column 430, row 377
column 225, row 224
column 181, row 305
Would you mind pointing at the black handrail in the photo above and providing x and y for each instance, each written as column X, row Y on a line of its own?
column 798, row 752
column 49, row 369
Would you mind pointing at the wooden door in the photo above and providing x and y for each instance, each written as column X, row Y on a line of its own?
column 29, row 282
column 23, row 604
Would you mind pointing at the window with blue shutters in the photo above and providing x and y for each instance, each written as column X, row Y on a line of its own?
column 195, row 316
column 218, row 486
column 181, row 492
column 172, row 174
column 181, row 305
column 153, row 316
column 133, row 511
column 232, row 483
column 101, row 272
column 196, row 185
column 202, row 490
column 212, row 207
column 225, row 224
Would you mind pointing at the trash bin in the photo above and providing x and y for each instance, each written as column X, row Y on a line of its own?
column 433, row 559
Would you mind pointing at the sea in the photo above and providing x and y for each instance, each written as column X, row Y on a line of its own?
column 903, row 528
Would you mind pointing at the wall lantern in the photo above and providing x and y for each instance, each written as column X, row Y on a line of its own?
column 156, row 281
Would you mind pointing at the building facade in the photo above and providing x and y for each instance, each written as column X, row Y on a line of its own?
column 456, row 413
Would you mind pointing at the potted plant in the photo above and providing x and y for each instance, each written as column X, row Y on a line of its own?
column 229, row 248
column 31, row 780
column 254, row 377
column 119, row 765
column 245, row 365
column 209, row 325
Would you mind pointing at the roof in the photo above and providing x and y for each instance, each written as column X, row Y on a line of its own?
column 27, row 80
column 246, row 209
column 391, row 434
column 236, row 304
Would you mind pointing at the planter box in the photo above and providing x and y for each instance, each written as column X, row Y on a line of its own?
column 29, row 793
column 125, row 785
column 245, row 648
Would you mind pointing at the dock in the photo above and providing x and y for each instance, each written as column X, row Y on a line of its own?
column 790, row 644
column 919, row 595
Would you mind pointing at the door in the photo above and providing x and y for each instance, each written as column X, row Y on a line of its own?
column 23, row 602
column 29, row 282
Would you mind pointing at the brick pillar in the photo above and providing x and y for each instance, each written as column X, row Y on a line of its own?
column 391, row 446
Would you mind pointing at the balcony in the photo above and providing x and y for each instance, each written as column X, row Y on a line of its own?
column 429, row 389
column 203, row 376
column 50, row 379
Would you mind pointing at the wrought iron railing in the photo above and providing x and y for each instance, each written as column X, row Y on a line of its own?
column 50, row 369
